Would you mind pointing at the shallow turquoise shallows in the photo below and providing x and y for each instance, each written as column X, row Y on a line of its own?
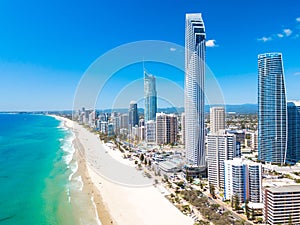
column 36, row 173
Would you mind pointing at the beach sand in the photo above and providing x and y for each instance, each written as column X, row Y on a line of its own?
column 121, row 193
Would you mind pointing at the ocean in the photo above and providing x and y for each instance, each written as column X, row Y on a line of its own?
column 38, row 174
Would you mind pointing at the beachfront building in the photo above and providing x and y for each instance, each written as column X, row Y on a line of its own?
column 150, row 131
column 242, row 178
column 166, row 128
column 282, row 205
column 293, row 141
column 272, row 109
column 220, row 147
column 194, row 89
column 217, row 119
column 150, row 96
column 142, row 133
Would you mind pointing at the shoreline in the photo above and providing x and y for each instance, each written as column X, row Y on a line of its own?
column 89, row 188
column 121, row 193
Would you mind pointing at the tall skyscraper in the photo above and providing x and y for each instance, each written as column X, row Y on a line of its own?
column 133, row 114
column 150, row 97
column 293, row 143
column 272, row 109
column 217, row 119
column 220, row 147
column 194, row 89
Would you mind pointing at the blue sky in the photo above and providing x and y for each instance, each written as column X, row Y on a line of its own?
column 46, row 46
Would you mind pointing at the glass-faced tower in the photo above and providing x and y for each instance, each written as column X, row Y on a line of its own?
column 150, row 97
column 194, row 89
column 272, row 109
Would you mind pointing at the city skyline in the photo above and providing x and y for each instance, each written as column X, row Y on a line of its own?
column 42, row 65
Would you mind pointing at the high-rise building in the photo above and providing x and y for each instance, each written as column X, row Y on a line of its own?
column 133, row 114
column 217, row 119
column 293, row 142
column 272, row 109
column 166, row 128
column 282, row 205
column 124, row 121
column 150, row 97
column 220, row 147
column 150, row 130
column 194, row 89
column 244, row 179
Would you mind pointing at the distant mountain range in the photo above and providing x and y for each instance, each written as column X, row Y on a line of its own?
column 239, row 109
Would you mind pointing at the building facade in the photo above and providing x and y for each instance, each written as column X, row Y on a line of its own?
column 150, row 97
column 194, row 89
column 166, row 128
column 220, row 147
column 217, row 119
column 150, row 131
column 272, row 109
column 183, row 128
column 293, row 142
column 282, row 205
column 244, row 179
column 133, row 114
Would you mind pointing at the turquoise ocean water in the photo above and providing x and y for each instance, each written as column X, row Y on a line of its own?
column 38, row 179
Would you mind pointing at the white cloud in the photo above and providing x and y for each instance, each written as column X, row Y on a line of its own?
column 297, row 74
column 298, row 19
column 172, row 49
column 211, row 43
column 287, row 32
column 264, row 39
column 280, row 35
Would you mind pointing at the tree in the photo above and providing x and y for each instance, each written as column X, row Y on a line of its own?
column 212, row 190
column 236, row 202
column 247, row 208
column 142, row 157
column 290, row 220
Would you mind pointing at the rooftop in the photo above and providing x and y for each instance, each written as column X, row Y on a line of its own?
column 286, row 188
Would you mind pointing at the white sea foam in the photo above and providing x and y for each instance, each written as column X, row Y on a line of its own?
column 68, row 148
column 96, row 212
column 78, row 183
column 74, row 168
column 68, row 194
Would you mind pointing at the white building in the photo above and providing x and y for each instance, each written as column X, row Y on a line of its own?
column 194, row 89
column 220, row 147
column 244, row 179
column 217, row 119
column 150, row 129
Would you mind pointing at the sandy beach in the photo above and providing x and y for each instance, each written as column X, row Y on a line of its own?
column 121, row 193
